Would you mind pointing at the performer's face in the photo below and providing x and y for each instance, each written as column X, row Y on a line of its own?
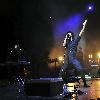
column 69, row 37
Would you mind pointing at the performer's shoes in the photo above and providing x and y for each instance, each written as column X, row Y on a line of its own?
column 80, row 92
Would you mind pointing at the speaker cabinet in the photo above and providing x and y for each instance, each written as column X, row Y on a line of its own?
column 43, row 87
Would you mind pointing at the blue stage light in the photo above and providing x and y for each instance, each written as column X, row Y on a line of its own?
column 90, row 7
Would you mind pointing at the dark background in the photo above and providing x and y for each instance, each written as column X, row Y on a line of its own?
column 27, row 23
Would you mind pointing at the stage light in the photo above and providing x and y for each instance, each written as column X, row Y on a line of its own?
column 99, row 55
column 61, row 58
column 90, row 7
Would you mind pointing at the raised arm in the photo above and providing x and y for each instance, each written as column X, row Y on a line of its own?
column 84, row 24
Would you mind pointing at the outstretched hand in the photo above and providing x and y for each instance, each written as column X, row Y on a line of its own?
column 84, row 24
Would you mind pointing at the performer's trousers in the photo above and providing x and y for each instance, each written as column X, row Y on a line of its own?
column 76, row 63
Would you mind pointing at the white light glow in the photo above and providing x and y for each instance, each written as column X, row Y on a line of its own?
column 84, row 24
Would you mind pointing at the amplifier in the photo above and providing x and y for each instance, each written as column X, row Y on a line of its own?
column 43, row 87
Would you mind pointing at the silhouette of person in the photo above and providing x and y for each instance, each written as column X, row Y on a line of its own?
column 70, row 43
column 71, row 49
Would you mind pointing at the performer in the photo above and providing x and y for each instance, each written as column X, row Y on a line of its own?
column 70, row 44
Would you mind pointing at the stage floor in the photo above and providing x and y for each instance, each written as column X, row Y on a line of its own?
column 92, row 93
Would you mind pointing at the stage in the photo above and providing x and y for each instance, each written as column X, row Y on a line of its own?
column 92, row 93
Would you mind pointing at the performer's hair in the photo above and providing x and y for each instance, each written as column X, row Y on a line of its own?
column 71, row 34
column 68, row 38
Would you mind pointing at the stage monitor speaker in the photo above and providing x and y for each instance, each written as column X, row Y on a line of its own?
column 46, row 87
